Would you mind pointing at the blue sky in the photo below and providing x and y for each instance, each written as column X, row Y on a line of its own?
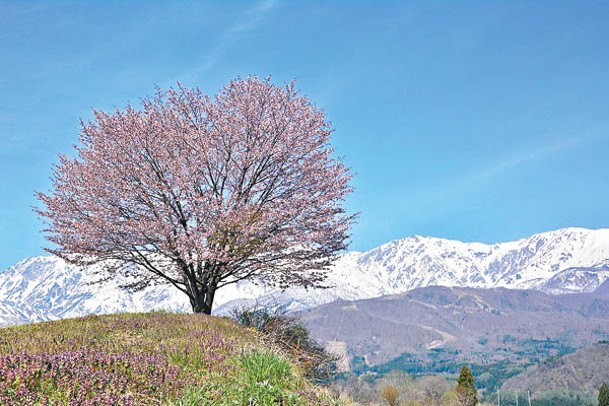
column 479, row 121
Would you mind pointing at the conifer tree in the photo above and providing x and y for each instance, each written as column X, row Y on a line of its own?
column 466, row 388
column 603, row 395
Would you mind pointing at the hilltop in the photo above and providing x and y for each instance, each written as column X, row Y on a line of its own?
column 146, row 359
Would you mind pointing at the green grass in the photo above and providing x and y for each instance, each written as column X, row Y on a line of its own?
column 147, row 359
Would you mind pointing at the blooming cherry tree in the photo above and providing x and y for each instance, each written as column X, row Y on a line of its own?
column 204, row 191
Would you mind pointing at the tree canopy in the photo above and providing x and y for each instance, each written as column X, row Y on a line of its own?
column 204, row 191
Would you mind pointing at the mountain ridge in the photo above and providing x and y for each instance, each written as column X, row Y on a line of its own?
column 567, row 260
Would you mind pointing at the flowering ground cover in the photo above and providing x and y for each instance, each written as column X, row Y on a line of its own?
column 146, row 359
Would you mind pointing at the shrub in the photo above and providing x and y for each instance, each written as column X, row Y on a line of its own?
column 390, row 394
column 290, row 336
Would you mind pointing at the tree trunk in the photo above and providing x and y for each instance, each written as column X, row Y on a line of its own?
column 202, row 299
column 200, row 291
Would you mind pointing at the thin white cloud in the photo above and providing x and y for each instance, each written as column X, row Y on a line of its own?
column 456, row 187
column 247, row 21
column 516, row 160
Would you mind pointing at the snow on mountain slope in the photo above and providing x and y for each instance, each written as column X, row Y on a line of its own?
column 561, row 261
column 55, row 290
column 47, row 288
column 14, row 313
column 528, row 263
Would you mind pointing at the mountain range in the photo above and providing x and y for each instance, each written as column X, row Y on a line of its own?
column 467, row 324
column 568, row 260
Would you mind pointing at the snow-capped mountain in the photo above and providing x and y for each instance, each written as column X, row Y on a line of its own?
column 47, row 288
column 562, row 261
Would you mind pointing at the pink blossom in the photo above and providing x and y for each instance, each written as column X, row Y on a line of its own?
column 204, row 191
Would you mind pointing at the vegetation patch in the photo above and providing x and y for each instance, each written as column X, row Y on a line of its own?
column 146, row 359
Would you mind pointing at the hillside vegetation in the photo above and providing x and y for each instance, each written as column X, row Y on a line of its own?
column 584, row 371
column 146, row 359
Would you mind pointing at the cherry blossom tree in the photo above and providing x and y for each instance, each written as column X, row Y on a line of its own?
column 202, row 192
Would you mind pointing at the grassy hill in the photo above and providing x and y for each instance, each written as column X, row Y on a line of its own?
column 147, row 359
